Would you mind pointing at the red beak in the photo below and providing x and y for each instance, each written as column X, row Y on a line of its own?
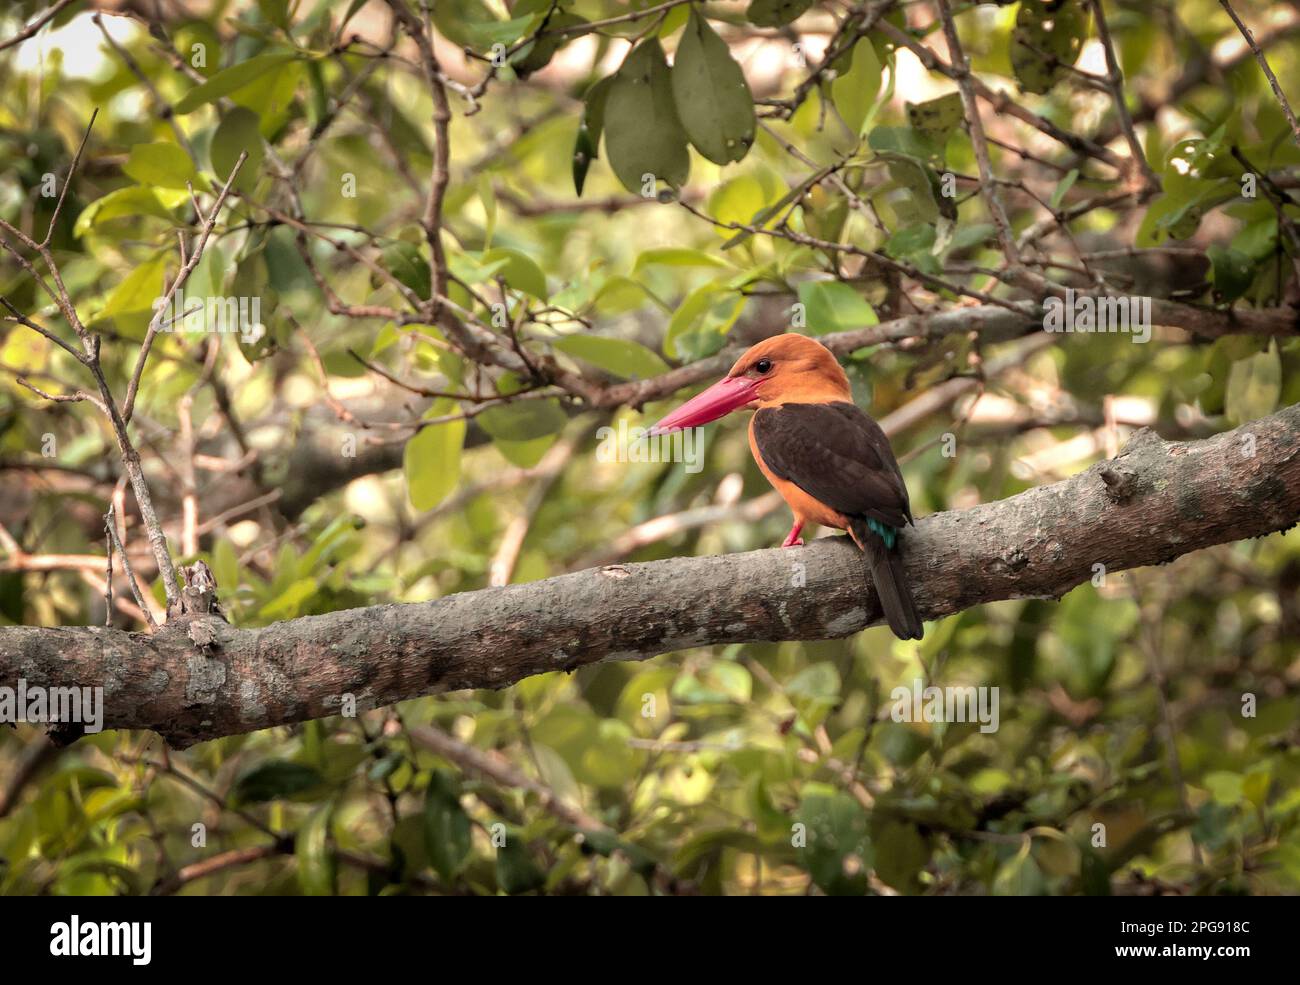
column 717, row 401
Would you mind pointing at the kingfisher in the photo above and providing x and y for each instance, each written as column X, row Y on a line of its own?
column 829, row 460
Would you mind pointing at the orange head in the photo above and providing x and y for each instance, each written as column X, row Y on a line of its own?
column 783, row 369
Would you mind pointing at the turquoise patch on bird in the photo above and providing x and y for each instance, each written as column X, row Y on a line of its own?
column 887, row 534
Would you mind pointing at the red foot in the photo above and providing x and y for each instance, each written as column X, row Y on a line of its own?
column 793, row 539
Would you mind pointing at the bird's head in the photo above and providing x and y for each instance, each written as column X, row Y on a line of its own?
column 783, row 369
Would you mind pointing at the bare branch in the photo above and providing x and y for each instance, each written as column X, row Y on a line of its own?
column 35, row 25
column 1115, row 85
column 971, row 105
column 111, row 528
column 1268, row 71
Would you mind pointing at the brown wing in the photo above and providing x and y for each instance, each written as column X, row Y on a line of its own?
column 838, row 455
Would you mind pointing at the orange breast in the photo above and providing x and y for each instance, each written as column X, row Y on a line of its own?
column 805, row 508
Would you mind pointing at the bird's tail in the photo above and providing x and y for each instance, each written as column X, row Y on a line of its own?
column 886, row 566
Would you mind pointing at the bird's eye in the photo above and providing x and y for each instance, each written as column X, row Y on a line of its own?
column 763, row 365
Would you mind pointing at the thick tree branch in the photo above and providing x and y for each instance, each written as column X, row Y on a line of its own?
column 1155, row 502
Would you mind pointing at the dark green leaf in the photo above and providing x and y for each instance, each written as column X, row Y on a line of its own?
column 713, row 99
column 405, row 262
column 446, row 826
column 238, row 132
column 273, row 779
column 1047, row 39
column 776, row 13
column 643, row 136
column 516, row 870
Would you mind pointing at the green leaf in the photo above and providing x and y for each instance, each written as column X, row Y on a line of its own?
column 837, row 854
column 131, row 201
column 776, row 13
column 488, row 197
column 915, row 199
column 711, row 309
column 519, row 271
column 524, row 454
column 936, row 118
column 516, row 870
column 728, row 196
column 622, row 357
column 713, row 100
column 675, row 256
column 1225, row 787
column 405, row 262
column 902, row 141
column 273, row 779
column 288, row 603
column 446, row 826
column 609, row 761
column 239, row 131
column 1063, row 187
column 900, row 852
column 276, row 12
column 619, row 294
column 1021, row 876
column 814, row 691
column 1047, row 39
column 739, row 200
column 975, row 234
column 1258, row 239
column 854, row 92
column 228, row 80
column 1234, row 271
column 586, row 146
column 911, row 240
column 643, row 136
column 317, row 864
column 162, row 164
column 1254, row 386
column 131, row 304
column 830, row 306
column 272, row 96
column 469, row 23
column 431, row 459
column 524, row 420
column 225, row 566
column 536, row 54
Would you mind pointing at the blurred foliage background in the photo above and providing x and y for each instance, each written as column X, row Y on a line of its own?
column 1123, row 762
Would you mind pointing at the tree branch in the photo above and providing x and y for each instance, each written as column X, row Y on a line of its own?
column 31, row 29
column 1155, row 502
column 1263, row 64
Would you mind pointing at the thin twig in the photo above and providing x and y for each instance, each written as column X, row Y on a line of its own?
column 1115, row 85
column 971, row 106
column 1268, row 71
column 126, row 566
column 108, row 567
column 35, row 25
column 196, row 254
